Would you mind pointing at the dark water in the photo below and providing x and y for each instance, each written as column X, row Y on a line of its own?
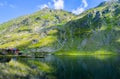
column 63, row 67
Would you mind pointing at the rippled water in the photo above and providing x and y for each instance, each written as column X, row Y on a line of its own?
column 61, row 67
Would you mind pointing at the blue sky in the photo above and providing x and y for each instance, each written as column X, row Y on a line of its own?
column 10, row 9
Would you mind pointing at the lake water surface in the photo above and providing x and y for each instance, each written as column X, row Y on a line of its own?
column 61, row 67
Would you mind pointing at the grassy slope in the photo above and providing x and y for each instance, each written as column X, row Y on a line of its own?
column 95, row 31
column 22, row 31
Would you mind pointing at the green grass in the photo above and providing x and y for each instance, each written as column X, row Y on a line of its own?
column 100, row 54
column 16, row 43
column 81, row 32
column 44, row 42
column 42, row 66
column 81, row 53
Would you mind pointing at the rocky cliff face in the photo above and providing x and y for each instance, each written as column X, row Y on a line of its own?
column 97, row 29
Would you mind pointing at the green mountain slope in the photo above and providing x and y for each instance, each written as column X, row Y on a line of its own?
column 33, row 31
column 94, row 31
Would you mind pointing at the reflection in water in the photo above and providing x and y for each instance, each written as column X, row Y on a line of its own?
column 61, row 67
column 85, row 67
column 4, row 59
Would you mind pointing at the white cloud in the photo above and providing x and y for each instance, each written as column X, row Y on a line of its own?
column 42, row 6
column 58, row 4
column 80, row 9
column 85, row 3
column 48, row 5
